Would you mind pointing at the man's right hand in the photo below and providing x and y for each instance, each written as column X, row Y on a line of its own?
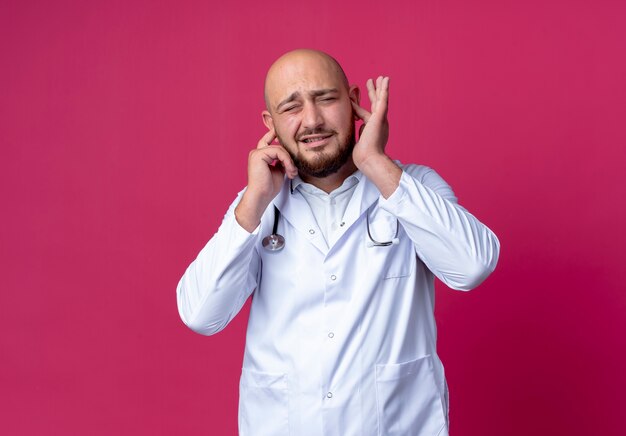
column 267, row 165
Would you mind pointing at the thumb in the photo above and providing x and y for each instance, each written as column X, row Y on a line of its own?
column 360, row 112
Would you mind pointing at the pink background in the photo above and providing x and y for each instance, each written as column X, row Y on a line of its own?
column 124, row 133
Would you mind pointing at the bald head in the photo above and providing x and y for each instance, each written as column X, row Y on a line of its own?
column 293, row 67
column 310, row 109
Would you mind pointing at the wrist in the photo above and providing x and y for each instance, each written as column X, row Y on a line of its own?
column 383, row 172
column 373, row 162
column 249, row 211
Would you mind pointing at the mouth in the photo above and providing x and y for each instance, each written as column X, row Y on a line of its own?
column 312, row 141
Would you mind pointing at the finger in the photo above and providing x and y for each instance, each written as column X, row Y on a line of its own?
column 383, row 96
column 379, row 89
column 360, row 112
column 279, row 155
column 284, row 159
column 371, row 92
column 267, row 139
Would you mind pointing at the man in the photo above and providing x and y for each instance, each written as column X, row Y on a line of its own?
column 341, row 336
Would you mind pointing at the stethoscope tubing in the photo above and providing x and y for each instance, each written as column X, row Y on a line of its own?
column 276, row 242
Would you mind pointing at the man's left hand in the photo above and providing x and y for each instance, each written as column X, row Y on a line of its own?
column 369, row 152
column 374, row 132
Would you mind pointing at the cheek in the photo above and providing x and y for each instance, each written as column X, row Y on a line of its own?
column 287, row 127
column 343, row 117
column 285, row 134
column 345, row 126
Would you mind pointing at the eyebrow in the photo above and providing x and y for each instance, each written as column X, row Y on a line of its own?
column 314, row 93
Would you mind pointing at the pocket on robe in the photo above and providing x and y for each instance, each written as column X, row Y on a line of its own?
column 388, row 261
column 408, row 400
column 263, row 404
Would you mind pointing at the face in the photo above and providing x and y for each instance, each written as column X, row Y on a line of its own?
column 310, row 110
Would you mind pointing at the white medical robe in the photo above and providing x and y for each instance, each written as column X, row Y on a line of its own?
column 341, row 338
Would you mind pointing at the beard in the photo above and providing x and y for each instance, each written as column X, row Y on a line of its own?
column 323, row 163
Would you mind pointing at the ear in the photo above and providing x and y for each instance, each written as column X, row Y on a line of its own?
column 355, row 94
column 267, row 119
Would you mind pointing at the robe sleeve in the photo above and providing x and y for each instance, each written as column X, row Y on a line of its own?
column 459, row 249
column 217, row 283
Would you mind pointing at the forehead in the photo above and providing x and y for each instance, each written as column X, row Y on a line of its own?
column 301, row 75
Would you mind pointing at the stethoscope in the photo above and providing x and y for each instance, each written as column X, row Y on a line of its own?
column 276, row 242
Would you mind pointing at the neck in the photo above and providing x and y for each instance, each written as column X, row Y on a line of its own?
column 332, row 181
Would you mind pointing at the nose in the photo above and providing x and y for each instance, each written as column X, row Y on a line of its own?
column 311, row 116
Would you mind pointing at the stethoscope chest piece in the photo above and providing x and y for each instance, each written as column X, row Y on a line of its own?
column 273, row 242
